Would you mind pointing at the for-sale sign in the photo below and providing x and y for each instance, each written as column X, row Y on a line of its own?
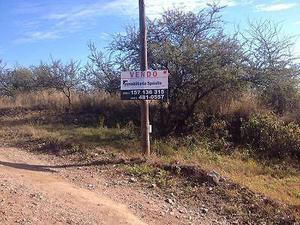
column 144, row 85
column 141, row 80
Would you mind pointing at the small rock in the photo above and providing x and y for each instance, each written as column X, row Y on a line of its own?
column 91, row 186
column 214, row 177
column 153, row 186
column 170, row 201
column 132, row 179
column 181, row 210
column 204, row 210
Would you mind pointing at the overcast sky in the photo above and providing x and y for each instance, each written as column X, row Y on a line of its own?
column 34, row 30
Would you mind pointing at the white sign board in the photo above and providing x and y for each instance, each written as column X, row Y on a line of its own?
column 144, row 80
column 144, row 85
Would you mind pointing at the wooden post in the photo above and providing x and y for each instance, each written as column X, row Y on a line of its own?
column 145, row 136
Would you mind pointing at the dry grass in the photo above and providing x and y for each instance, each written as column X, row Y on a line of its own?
column 47, row 99
column 51, row 99
column 246, row 105
column 280, row 182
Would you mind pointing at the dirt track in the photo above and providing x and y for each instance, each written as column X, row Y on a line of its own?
column 33, row 194
column 36, row 190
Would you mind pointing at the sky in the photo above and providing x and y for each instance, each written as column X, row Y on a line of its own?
column 35, row 30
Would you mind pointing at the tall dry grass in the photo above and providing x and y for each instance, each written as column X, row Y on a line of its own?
column 109, row 109
column 245, row 106
column 51, row 99
column 38, row 99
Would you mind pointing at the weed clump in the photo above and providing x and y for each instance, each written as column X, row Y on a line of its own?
column 272, row 137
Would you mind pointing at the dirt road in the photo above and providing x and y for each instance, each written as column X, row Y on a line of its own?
column 36, row 190
column 33, row 194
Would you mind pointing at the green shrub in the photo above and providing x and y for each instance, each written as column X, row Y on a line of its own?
column 162, row 148
column 271, row 136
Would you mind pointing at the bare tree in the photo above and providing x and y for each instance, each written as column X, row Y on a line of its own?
column 43, row 79
column 270, row 64
column 16, row 80
column 66, row 77
column 5, row 86
column 100, row 72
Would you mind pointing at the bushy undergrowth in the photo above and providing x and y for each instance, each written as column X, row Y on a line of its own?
column 271, row 136
column 243, row 122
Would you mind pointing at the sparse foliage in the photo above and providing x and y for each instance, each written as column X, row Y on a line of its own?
column 100, row 73
column 66, row 77
column 270, row 65
column 16, row 80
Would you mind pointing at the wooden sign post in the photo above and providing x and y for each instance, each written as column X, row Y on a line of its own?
column 144, row 85
column 145, row 126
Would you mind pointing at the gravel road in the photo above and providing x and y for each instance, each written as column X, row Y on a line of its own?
column 40, row 189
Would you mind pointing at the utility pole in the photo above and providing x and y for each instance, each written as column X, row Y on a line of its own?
column 145, row 126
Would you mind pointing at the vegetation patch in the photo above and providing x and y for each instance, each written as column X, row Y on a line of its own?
column 271, row 137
